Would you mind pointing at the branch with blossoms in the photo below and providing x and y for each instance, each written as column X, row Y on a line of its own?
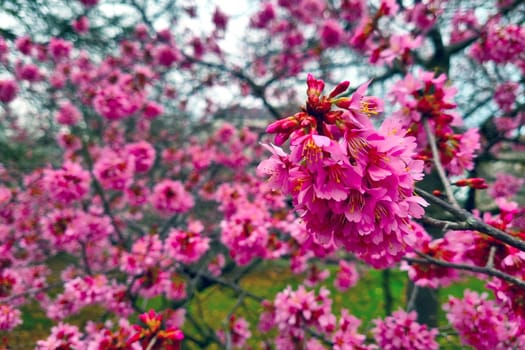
column 469, row 221
column 146, row 208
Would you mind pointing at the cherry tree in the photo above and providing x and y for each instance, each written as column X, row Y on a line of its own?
column 147, row 159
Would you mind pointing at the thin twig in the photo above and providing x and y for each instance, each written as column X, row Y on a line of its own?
column 437, row 162
column 413, row 295
column 152, row 343
column 490, row 260
column 444, row 224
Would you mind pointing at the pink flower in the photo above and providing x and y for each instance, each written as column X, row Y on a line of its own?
column 59, row 228
column 63, row 336
column 239, row 331
column 187, row 246
column 93, row 228
column 331, row 33
column 89, row 3
column 315, row 276
column 265, row 15
column 24, row 44
column 141, row 31
column 144, row 155
column 29, row 72
column 69, row 142
column 9, row 317
column 292, row 311
column 424, row 16
column 146, row 252
column 505, row 185
column 430, row 275
column 276, row 167
column 67, row 185
column 81, row 25
column 506, row 125
column 464, row 26
column 137, row 193
column 499, row 43
column 166, row 55
column 220, row 19
column 347, row 337
column 401, row 331
column 8, row 90
column 345, row 177
column 346, row 277
column 482, row 324
column 153, row 327
column 152, row 110
column 59, row 48
column 245, row 232
column 5, row 195
column 505, row 95
column 170, row 197
column 113, row 103
column 216, row 264
column 114, row 171
column 68, row 114
column 4, row 50
column 464, row 152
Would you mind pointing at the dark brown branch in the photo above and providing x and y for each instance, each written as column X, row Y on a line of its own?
column 258, row 90
column 472, row 222
column 489, row 271
column 444, row 224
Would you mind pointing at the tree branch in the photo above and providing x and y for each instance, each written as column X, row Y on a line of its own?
column 472, row 222
column 489, row 271
column 437, row 162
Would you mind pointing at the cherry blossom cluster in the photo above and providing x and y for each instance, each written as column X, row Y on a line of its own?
column 292, row 312
column 500, row 43
column 428, row 275
column 239, row 332
column 353, row 24
column 401, row 331
column 424, row 97
column 155, row 334
column 482, row 324
column 351, row 184
column 301, row 316
column 156, row 330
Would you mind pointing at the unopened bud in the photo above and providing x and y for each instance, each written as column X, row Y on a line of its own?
column 339, row 89
column 477, row 183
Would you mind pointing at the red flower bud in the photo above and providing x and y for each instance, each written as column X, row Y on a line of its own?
column 477, row 183
column 339, row 89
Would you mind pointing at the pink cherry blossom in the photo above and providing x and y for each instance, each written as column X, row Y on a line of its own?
column 143, row 154
column 9, row 317
column 170, row 197
column 8, row 90
column 346, row 277
column 114, row 171
column 187, row 246
column 482, row 324
column 401, row 331
column 66, row 185
column 68, row 114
